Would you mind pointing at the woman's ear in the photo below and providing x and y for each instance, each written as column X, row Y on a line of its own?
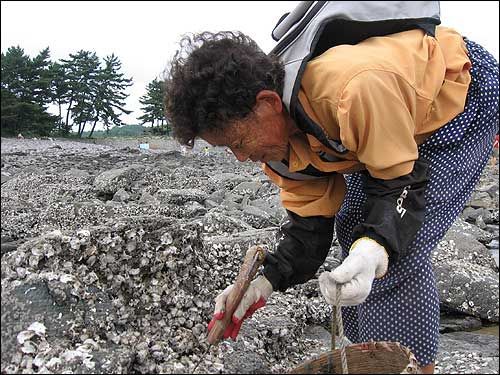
column 271, row 98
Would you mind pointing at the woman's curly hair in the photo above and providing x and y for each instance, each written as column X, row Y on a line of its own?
column 213, row 79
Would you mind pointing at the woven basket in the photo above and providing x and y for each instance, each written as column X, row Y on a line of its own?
column 381, row 357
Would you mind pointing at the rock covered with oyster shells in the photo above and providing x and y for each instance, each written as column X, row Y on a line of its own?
column 467, row 276
column 111, row 258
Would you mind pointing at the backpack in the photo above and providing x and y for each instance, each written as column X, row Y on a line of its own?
column 315, row 26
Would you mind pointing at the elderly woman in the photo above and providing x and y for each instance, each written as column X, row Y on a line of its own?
column 409, row 119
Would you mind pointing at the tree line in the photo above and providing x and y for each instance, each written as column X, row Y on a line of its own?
column 85, row 89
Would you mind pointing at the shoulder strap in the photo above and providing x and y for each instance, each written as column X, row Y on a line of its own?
column 315, row 26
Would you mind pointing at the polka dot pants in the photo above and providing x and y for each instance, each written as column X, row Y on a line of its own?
column 404, row 305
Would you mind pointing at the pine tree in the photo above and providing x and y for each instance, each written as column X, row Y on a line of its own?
column 152, row 107
column 25, row 93
column 81, row 71
column 15, row 73
column 59, row 91
column 39, row 80
column 110, row 94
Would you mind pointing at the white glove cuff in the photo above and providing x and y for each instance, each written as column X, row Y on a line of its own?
column 264, row 286
column 382, row 258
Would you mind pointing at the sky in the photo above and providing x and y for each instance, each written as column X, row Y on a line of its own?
column 144, row 35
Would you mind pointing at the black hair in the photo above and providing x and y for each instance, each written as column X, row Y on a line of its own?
column 213, row 79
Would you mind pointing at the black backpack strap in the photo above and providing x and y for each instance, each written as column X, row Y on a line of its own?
column 429, row 28
column 308, row 126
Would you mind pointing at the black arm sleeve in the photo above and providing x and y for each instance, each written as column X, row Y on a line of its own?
column 304, row 243
column 394, row 210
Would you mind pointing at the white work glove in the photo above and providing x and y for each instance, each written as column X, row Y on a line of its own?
column 254, row 298
column 367, row 260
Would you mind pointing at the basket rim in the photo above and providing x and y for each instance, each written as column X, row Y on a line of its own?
column 381, row 346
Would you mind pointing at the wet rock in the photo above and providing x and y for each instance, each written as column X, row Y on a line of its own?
column 247, row 188
column 181, row 196
column 121, row 196
column 217, row 223
column 227, row 180
column 9, row 246
column 493, row 244
column 109, row 182
column 272, row 206
column 468, row 244
column 127, row 285
column 467, row 353
column 217, row 196
column 106, row 298
column 480, row 200
column 244, row 239
column 459, row 323
column 147, row 198
column 258, row 218
column 5, row 177
column 465, row 283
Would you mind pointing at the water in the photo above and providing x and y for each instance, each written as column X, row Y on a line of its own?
column 490, row 330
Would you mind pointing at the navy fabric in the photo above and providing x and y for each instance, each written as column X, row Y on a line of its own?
column 403, row 306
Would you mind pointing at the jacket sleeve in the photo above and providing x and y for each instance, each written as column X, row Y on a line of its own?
column 394, row 210
column 303, row 244
column 304, row 240
column 377, row 118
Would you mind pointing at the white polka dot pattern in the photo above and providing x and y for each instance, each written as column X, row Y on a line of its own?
column 404, row 305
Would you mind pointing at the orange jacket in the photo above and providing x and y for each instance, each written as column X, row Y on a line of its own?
column 380, row 98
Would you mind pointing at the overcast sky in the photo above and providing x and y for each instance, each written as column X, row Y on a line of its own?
column 144, row 34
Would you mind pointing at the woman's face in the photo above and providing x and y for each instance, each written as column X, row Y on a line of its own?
column 261, row 136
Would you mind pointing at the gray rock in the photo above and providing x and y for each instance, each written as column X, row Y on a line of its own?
column 132, row 283
column 209, row 204
column 454, row 324
column 493, row 229
column 5, row 177
column 480, row 200
column 77, row 172
column 227, row 180
column 109, row 182
column 147, row 198
column 470, row 214
column 466, row 244
column 217, row 223
column 243, row 240
column 272, row 206
column 258, row 218
column 217, row 196
column 128, row 263
column 245, row 361
column 194, row 209
column 467, row 288
column 247, row 188
column 463, row 229
column 480, row 222
column 181, row 196
column 121, row 196
column 9, row 246
column 467, row 353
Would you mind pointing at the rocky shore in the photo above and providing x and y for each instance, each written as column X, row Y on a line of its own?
column 112, row 255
